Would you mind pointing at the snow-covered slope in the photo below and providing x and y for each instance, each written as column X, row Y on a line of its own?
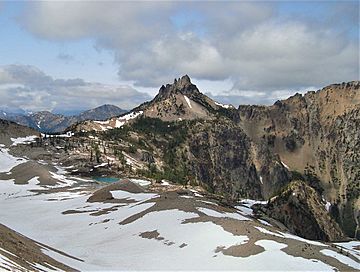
column 164, row 227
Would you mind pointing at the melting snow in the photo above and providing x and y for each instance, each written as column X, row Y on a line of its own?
column 289, row 236
column 344, row 259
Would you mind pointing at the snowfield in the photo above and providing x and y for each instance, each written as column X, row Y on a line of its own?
column 23, row 140
column 134, row 232
column 104, row 244
column 7, row 161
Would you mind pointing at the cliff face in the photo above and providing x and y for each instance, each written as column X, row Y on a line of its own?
column 225, row 158
column 317, row 133
column 299, row 208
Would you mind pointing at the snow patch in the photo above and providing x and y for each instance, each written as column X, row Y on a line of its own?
column 287, row 167
column 101, row 165
column 188, row 101
column 9, row 265
column 226, row 106
column 341, row 258
column 23, row 140
column 249, row 202
column 289, row 236
column 244, row 210
column 124, row 119
column 7, row 161
column 350, row 247
column 264, row 222
column 141, row 182
column 165, row 183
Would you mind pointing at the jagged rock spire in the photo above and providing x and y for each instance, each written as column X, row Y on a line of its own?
column 181, row 85
column 182, row 82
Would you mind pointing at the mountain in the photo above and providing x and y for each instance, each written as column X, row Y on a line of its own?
column 209, row 186
column 253, row 151
column 181, row 101
column 45, row 121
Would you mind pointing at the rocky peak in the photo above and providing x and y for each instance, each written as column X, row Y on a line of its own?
column 178, row 101
column 182, row 82
column 181, row 85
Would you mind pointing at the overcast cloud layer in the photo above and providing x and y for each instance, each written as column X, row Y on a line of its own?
column 265, row 52
column 155, row 41
column 29, row 88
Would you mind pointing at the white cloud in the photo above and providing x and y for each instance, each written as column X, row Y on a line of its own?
column 29, row 88
column 245, row 42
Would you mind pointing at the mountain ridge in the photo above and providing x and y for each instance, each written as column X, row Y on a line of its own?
column 46, row 121
column 253, row 151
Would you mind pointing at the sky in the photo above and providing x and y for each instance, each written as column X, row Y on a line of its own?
column 71, row 56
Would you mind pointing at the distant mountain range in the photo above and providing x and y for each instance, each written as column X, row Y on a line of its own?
column 45, row 121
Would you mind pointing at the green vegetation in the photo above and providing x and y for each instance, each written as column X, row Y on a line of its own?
column 167, row 137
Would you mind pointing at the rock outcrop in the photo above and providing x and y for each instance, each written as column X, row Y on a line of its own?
column 316, row 133
column 300, row 208
column 181, row 100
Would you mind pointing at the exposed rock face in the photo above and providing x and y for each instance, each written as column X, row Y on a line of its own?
column 220, row 157
column 46, row 121
column 299, row 207
column 223, row 157
column 318, row 133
